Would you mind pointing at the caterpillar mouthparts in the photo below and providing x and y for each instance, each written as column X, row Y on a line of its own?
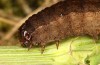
column 64, row 19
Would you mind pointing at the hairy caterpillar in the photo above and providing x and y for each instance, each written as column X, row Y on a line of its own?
column 64, row 19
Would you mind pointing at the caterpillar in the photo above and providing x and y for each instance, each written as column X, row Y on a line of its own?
column 64, row 19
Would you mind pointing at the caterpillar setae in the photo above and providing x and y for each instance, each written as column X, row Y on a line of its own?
column 64, row 19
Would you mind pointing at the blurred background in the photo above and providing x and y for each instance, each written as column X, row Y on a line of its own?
column 13, row 14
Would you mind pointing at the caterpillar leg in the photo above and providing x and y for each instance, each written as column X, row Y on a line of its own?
column 95, row 42
column 95, row 39
column 42, row 49
column 30, row 46
column 70, row 47
column 57, row 44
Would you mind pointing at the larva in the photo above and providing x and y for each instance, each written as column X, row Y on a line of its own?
column 64, row 19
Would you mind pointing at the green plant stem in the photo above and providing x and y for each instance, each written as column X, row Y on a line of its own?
column 81, row 49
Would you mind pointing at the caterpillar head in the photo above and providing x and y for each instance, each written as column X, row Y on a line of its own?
column 25, row 35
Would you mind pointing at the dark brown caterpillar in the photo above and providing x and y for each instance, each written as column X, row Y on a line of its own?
column 66, row 18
